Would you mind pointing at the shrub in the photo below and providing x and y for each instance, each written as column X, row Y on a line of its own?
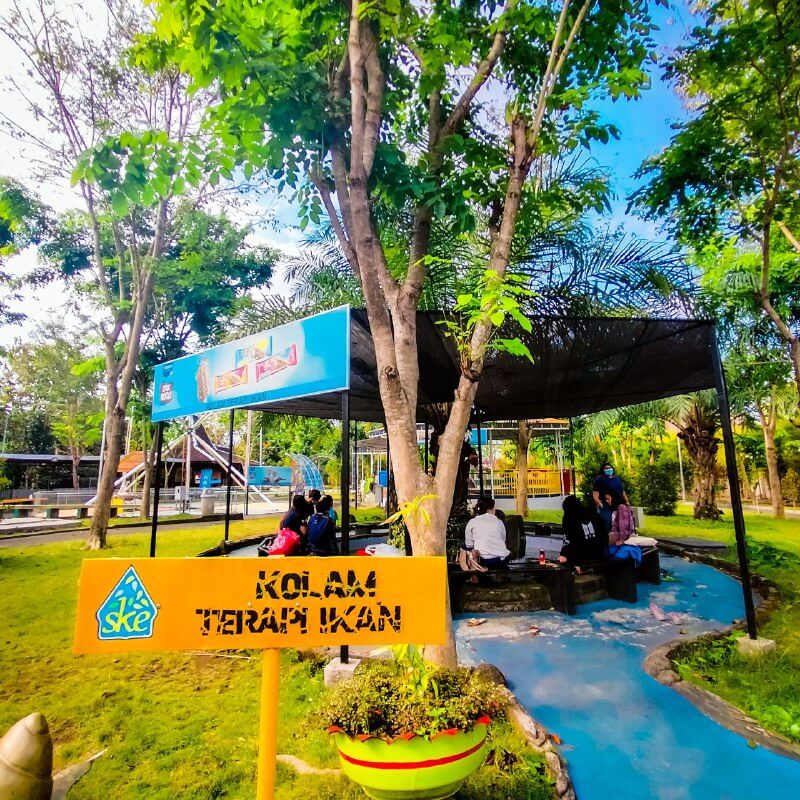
column 658, row 488
column 791, row 485
column 387, row 699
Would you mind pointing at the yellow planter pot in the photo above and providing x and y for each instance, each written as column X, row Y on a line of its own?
column 413, row 767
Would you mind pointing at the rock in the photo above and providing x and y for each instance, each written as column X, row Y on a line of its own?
column 303, row 768
column 755, row 647
column 667, row 677
column 64, row 780
column 491, row 674
column 26, row 760
column 553, row 762
column 562, row 785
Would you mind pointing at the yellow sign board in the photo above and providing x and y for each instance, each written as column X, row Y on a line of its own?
column 258, row 603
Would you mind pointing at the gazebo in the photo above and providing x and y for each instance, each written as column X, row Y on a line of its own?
column 324, row 366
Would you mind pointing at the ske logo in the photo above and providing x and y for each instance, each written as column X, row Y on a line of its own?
column 128, row 612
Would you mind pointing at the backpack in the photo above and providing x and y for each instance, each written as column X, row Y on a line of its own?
column 319, row 539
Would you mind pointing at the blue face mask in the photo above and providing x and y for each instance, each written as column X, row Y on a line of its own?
column 608, row 471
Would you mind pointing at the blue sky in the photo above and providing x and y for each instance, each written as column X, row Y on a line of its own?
column 644, row 124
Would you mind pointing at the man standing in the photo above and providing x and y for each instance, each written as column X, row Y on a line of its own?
column 604, row 484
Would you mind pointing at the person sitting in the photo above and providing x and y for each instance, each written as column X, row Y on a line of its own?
column 296, row 518
column 623, row 524
column 585, row 539
column 487, row 534
column 321, row 530
column 314, row 497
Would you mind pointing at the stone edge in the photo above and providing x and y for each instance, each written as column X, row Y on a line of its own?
column 537, row 736
column 659, row 662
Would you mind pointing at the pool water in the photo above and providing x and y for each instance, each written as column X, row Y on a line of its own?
column 625, row 736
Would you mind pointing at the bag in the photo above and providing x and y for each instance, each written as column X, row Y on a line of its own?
column 469, row 561
column 319, row 539
column 623, row 552
column 286, row 543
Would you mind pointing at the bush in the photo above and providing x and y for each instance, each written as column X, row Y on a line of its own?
column 385, row 699
column 658, row 488
column 791, row 485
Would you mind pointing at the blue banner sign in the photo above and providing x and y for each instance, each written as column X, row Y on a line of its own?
column 309, row 356
column 270, row 476
column 473, row 437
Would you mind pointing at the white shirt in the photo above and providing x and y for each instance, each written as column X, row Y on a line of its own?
column 487, row 535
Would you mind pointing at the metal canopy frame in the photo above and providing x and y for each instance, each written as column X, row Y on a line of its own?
column 646, row 359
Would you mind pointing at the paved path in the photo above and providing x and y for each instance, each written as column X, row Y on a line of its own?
column 627, row 736
column 46, row 537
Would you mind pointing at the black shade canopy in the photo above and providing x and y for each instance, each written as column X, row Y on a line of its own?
column 581, row 365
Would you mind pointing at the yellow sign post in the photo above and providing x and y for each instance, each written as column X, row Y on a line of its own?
column 248, row 603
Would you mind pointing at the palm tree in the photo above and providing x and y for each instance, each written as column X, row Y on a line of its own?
column 696, row 416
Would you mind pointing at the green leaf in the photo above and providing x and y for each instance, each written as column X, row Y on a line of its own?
column 119, row 204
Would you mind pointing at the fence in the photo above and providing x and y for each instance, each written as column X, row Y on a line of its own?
column 541, row 482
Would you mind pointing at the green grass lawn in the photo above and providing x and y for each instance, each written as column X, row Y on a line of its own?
column 783, row 533
column 175, row 725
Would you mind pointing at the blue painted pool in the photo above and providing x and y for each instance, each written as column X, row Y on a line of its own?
column 626, row 736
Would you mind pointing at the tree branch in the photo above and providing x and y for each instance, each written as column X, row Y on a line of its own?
column 482, row 73
column 783, row 228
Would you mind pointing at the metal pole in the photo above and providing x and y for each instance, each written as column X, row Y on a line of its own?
column 572, row 456
column 427, row 454
column 355, row 463
column 157, row 487
column 247, row 463
column 680, row 467
column 261, row 447
column 8, row 411
column 344, row 652
column 230, row 478
column 490, row 442
column 733, row 480
column 187, row 476
column 480, row 452
column 268, row 725
column 388, row 471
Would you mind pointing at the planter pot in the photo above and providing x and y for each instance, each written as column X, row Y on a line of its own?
column 413, row 767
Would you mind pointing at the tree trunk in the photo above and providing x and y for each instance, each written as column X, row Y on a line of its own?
column 768, row 426
column 115, row 434
column 147, row 482
column 523, row 441
column 76, row 482
column 794, row 352
column 744, row 481
column 698, row 432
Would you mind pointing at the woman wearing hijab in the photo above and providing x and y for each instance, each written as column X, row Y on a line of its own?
column 623, row 524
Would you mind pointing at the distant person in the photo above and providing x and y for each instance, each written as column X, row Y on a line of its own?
column 604, row 483
column 487, row 534
column 315, row 497
column 322, row 530
column 623, row 524
column 585, row 538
